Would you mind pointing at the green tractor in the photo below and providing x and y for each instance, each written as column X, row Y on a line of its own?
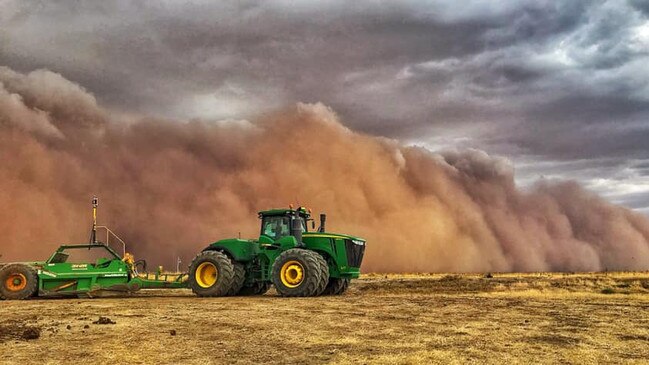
column 298, row 262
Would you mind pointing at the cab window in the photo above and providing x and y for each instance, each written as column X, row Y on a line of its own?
column 275, row 227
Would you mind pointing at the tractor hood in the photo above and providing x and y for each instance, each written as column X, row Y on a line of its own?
column 233, row 241
column 332, row 235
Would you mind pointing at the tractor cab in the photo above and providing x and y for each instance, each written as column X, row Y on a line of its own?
column 279, row 223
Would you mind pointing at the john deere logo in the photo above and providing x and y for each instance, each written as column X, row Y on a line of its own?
column 79, row 266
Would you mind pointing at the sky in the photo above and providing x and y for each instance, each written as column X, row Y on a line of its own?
column 560, row 88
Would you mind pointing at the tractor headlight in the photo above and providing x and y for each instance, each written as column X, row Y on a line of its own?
column 359, row 242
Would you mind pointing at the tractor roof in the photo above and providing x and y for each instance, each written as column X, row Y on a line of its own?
column 283, row 211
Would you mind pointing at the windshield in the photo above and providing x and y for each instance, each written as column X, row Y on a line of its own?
column 275, row 227
column 278, row 226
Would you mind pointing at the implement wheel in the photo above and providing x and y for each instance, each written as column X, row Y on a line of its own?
column 298, row 273
column 18, row 281
column 211, row 274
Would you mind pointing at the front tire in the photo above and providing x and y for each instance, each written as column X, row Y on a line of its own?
column 211, row 274
column 298, row 273
column 18, row 281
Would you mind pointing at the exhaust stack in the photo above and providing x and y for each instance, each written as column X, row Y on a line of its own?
column 296, row 227
column 323, row 219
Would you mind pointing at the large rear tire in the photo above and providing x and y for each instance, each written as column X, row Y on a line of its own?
column 336, row 286
column 18, row 281
column 211, row 274
column 298, row 273
column 238, row 279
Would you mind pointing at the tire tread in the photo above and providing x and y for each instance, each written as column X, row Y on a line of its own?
column 238, row 279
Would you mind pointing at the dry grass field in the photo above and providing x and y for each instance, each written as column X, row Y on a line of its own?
column 508, row 318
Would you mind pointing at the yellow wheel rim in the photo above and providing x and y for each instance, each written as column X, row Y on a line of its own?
column 16, row 282
column 206, row 274
column 292, row 274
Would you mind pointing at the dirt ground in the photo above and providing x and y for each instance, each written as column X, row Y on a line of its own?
column 512, row 318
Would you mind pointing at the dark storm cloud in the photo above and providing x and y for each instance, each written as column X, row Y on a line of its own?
column 641, row 5
column 545, row 81
column 135, row 56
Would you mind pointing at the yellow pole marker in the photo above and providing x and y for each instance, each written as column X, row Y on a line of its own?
column 95, row 203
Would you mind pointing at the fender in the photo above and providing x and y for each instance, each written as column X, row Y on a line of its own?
column 238, row 249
